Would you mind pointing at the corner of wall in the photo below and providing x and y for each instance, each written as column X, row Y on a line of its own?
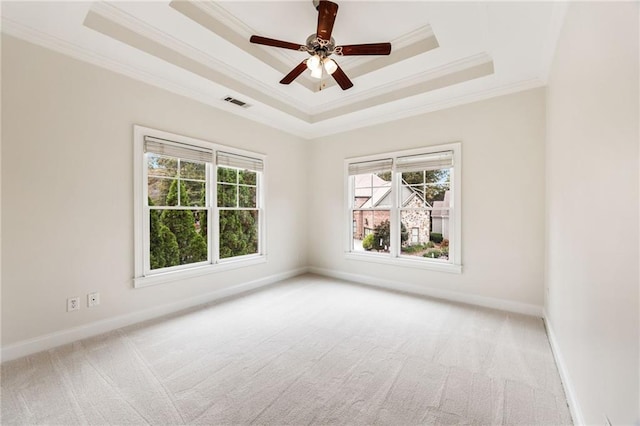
column 567, row 384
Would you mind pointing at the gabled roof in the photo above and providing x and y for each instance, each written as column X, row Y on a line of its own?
column 381, row 192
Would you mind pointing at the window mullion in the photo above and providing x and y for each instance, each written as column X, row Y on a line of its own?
column 179, row 176
column 214, row 219
column 394, row 237
column 146, row 243
column 157, row 256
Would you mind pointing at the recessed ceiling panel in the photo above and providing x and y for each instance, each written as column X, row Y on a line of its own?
column 443, row 53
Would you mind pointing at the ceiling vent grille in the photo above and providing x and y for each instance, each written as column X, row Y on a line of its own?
column 236, row 102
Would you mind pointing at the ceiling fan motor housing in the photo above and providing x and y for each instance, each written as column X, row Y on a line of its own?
column 320, row 45
column 317, row 46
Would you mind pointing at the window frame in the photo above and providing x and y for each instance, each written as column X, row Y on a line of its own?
column 143, row 275
column 395, row 257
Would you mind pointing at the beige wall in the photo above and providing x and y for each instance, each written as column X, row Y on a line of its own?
column 592, row 210
column 502, row 196
column 67, row 166
column 67, row 191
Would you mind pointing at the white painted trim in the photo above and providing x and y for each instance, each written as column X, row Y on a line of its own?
column 424, row 290
column 567, row 384
column 52, row 340
column 214, row 268
column 301, row 129
column 455, row 249
column 74, row 51
column 415, row 79
column 403, row 112
column 279, row 58
column 407, row 261
column 143, row 276
column 113, row 13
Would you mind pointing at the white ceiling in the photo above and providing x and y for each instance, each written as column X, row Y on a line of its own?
column 443, row 53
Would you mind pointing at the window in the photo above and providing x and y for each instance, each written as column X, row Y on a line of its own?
column 415, row 235
column 237, row 205
column 405, row 207
column 180, row 229
column 371, row 200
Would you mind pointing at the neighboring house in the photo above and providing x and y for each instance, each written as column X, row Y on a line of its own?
column 440, row 216
column 373, row 192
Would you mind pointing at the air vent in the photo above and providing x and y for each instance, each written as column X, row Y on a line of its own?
column 237, row 102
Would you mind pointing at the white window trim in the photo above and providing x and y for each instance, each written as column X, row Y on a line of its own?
column 144, row 278
column 395, row 258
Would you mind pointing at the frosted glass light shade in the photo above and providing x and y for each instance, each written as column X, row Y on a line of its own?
column 313, row 62
column 317, row 72
column 330, row 65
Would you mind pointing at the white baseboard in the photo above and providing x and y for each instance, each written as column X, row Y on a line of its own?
column 488, row 302
column 48, row 341
column 574, row 406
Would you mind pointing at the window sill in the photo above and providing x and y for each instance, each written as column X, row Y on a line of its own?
column 405, row 262
column 161, row 278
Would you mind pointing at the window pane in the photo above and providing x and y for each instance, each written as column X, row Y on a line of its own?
column 238, row 232
column 177, row 237
column 227, row 175
column 372, row 190
column 247, row 177
column 414, row 231
column 247, row 196
column 371, row 230
column 227, row 195
column 161, row 166
column 421, row 239
column 158, row 189
column 430, row 185
column 195, row 193
column 192, row 170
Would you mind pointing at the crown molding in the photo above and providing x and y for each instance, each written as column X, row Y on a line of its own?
column 117, row 16
column 164, row 49
column 415, row 38
column 31, row 35
column 77, row 52
column 410, row 81
column 401, row 113
column 315, row 122
column 218, row 20
column 111, row 21
column 414, row 43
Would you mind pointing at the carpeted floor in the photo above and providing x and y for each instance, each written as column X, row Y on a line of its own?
column 308, row 351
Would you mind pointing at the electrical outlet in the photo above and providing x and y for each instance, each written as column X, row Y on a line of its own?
column 93, row 299
column 73, row 304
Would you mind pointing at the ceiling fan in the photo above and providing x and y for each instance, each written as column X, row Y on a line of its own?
column 321, row 45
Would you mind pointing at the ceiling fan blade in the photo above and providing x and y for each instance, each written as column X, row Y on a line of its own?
column 327, row 12
column 366, row 49
column 275, row 43
column 341, row 78
column 294, row 73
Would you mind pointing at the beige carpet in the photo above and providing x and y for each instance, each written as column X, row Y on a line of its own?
column 308, row 351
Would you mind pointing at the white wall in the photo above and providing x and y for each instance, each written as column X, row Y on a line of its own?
column 67, row 191
column 592, row 210
column 502, row 196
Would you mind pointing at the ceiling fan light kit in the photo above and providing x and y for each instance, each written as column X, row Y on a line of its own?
column 321, row 45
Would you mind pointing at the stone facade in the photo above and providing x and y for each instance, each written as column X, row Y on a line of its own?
column 417, row 222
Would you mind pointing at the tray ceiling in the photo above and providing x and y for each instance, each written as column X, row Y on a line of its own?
column 443, row 53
